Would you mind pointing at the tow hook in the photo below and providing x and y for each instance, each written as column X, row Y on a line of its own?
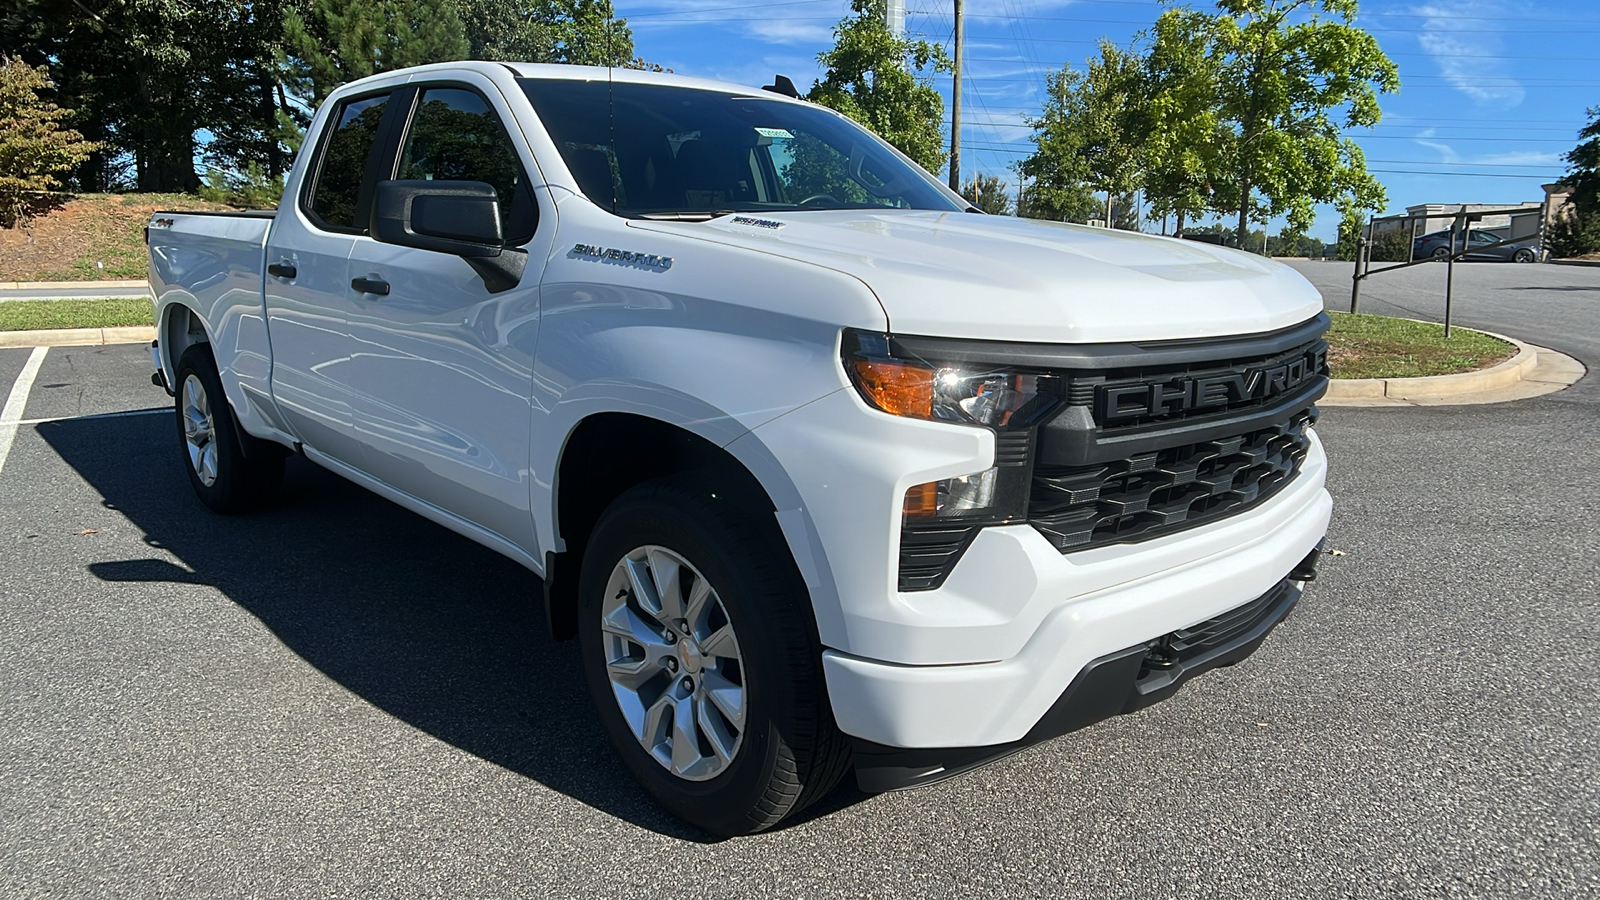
column 1306, row 570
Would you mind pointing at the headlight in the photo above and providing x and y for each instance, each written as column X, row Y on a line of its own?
column 963, row 393
column 1009, row 401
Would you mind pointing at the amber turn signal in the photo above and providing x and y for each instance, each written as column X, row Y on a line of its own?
column 922, row 500
column 895, row 387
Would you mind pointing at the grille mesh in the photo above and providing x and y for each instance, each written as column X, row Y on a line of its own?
column 1166, row 490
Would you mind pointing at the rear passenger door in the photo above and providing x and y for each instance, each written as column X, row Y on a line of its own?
column 307, row 291
column 442, row 370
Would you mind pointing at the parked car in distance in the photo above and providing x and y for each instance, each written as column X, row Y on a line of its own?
column 1437, row 246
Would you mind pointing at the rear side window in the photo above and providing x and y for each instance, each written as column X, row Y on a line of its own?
column 344, row 162
column 456, row 136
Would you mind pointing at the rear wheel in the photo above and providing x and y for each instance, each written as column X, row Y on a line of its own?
column 222, row 475
column 1440, row 254
column 1523, row 255
column 702, row 659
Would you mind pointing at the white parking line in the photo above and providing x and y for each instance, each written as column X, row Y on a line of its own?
column 92, row 416
column 11, row 415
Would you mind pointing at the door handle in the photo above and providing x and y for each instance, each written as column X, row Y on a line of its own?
column 371, row 286
column 282, row 270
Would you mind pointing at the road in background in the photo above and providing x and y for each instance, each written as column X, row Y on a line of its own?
column 62, row 291
column 334, row 696
column 1549, row 305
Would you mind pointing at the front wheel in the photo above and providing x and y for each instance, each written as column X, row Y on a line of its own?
column 701, row 656
column 222, row 475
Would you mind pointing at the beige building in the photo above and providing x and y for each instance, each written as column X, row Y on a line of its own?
column 1431, row 217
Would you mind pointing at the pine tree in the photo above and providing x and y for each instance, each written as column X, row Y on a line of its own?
column 331, row 42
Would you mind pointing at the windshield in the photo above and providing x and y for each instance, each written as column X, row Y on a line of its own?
column 677, row 152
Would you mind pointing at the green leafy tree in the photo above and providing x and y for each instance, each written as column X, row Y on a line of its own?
column 145, row 76
column 1575, row 231
column 35, row 149
column 1091, row 129
column 1051, row 187
column 330, row 42
column 988, row 193
column 578, row 32
column 1290, row 75
column 1184, row 134
column 1583, row 167
column 884, row 82
column 1352, row 222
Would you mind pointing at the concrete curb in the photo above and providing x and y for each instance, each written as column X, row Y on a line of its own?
column 1531, row 372
column 1575, row 262
column 67, row 285
column 78, row 337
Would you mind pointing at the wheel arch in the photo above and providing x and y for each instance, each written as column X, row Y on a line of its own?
column 178, row 327
column 606, row 453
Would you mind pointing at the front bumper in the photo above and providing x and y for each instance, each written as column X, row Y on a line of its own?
column 1111, row 685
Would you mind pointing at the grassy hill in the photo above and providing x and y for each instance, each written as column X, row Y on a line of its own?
column 89, row 238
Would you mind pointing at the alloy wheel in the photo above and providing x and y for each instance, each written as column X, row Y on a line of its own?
column 673, row 661
column 199, row 430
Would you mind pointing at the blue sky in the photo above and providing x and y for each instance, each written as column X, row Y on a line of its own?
column 1492, row 93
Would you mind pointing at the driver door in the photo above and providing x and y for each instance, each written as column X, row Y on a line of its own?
column 441, row 369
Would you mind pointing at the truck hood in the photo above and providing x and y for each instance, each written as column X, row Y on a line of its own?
column 1005, row 278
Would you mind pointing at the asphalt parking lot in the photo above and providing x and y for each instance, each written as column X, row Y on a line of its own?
column 335, row 697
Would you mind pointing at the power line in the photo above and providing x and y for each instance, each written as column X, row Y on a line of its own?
column 1502, row 31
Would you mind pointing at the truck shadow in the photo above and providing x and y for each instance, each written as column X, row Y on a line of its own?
column 435, row 630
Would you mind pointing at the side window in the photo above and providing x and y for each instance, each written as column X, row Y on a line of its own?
column 344, row 161
column 456, row 136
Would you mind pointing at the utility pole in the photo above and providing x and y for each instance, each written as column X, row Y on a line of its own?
column 955, row 111
column 894, row 17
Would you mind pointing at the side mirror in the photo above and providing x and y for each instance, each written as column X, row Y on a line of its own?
column 461, row 218
column 457, row 217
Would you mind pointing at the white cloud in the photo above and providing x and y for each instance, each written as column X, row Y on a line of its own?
column 1447, row 153
column 1522, row 158
column 1460, row 55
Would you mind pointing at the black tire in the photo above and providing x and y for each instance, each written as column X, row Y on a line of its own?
column 237, row 482
column 1440, row 254
column 791, row 752
column 1523, row 255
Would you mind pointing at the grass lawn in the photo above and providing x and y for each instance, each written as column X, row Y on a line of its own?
column 1382, row 347
column 29, row 315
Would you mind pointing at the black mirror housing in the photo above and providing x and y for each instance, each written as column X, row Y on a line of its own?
column 461, row 218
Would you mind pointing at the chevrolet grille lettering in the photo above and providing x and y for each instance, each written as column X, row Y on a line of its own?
column 1160, row 398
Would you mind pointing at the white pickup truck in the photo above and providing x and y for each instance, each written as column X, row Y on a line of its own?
column 820, row 466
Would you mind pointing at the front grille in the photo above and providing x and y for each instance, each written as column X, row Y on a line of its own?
column 1169, row 393
column 1164, row 491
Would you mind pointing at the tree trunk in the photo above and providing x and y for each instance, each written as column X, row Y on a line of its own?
column 1179, row 231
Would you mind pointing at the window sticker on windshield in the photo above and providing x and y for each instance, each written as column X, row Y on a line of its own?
column 775, row 133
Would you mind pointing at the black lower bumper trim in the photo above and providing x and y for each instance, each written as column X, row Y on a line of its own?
column 1111, row 685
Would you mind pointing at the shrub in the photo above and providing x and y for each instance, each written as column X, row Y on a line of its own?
column 251, row 189
column 34, row 149
column 1573, row 234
